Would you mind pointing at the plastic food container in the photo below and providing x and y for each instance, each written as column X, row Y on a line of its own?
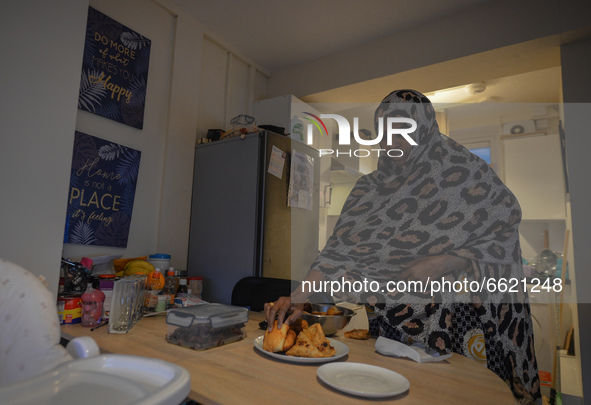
column 160, row 261
column 205, row 326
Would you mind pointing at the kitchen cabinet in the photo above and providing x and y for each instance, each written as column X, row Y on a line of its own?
column 534, row 173
column 288, row 112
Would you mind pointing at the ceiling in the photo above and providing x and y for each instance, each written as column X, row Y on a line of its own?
column 280, row 34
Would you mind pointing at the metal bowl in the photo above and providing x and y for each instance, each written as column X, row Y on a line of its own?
column 330, row 323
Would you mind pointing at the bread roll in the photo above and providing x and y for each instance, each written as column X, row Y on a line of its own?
column 279, row 340
column 290, row 340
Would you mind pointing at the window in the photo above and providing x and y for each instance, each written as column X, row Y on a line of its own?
column 483, row 153
column 481, row 148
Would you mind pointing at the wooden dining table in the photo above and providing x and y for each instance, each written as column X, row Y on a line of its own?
column 238, row 373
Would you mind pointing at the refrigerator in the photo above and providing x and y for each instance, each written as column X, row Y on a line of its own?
column 241, row 223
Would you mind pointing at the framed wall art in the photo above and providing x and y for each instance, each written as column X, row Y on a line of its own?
column 114, row 71
column 103, row 179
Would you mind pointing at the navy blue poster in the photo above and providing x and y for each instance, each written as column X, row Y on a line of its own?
column 102, row 189
column 114, row 71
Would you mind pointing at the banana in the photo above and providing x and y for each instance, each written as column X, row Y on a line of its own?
column 140, row 263
column 138, row 266
column 119, row 264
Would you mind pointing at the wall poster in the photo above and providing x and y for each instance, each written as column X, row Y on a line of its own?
column 114, row 70
column 102, row 189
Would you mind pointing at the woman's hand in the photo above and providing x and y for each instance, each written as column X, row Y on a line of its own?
column 433, row 266
column 285, row 304
column 280, row 308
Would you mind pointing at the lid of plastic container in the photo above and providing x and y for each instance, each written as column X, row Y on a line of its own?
column 218, row 315
column 159, row 256
column 194, row 278
column 107, row 276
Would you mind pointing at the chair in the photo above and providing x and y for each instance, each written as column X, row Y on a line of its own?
column 254, row 292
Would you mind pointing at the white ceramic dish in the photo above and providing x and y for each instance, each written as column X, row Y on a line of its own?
column 363, row 380
column 103, row 379
column 341, row 348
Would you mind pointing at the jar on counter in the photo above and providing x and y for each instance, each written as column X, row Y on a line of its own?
column 69, row 309
column 160, row 261
column 162, row 303
column 195, row 286
column 154, row 286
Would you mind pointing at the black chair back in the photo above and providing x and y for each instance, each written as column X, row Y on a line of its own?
column 254, row 292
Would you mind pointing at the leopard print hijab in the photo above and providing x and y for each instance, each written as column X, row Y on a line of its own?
column 443, row 200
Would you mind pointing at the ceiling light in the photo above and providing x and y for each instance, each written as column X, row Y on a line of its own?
column 475, row 88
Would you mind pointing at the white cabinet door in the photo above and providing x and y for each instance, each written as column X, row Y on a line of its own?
column 534, row 173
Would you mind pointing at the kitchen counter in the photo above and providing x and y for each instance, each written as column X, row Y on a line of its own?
column 238, row 373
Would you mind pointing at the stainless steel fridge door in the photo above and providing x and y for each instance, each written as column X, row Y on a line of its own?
column 224, row 239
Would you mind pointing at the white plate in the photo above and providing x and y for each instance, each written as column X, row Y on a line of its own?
column 363, row 379
column 341, row 348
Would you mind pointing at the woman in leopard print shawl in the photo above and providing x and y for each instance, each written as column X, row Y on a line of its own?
column 437, row 211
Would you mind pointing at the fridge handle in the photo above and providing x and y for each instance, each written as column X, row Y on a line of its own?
column 328, row 189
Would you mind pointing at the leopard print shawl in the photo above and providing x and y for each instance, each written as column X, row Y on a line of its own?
column 443, row 200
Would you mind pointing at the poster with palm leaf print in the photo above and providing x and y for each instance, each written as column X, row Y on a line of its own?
column 114, row 70
column 102, row 189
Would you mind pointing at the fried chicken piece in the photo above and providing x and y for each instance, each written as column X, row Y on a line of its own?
column 359, row 334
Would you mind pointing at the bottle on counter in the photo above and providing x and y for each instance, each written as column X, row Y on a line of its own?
column 106, row 285
column 170, row 287
column 162, row 303
column 92, row 305
column 154, row 287
column 182, row 290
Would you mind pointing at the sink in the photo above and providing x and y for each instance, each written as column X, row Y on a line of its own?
column 103, row 379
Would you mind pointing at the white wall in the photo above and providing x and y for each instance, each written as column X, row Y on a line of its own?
column 230, row 85
column 175, row 208
column 41, row 45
